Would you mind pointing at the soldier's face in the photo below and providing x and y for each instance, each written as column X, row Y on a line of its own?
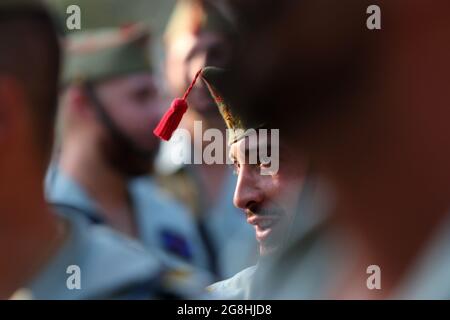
column 269, row 201
column 209, row 49
column 134, row 105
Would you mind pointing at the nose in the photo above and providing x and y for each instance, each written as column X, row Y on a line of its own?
column 248, row 191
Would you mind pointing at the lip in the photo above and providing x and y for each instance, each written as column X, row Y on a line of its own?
column 263, row 226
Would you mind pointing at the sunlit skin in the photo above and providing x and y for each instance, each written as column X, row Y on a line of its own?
column 187, row 53
column 269, row 201
column 209, row 49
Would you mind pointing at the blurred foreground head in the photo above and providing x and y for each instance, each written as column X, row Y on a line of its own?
column 111, row 99
column 29, row 69
column 370, row 107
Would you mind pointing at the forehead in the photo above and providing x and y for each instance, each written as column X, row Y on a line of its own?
column 131, row 80
column 251, row 142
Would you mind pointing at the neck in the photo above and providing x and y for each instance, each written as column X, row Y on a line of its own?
column 396, row 249
column 397, row 225
column 396, row 215
column 106, row 186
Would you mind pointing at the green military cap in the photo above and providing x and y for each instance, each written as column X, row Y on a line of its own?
column 215, row 79
column 100, row 54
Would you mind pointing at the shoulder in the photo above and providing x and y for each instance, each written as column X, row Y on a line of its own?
column 236, row 287
column 147, row 193
column 107, row 265
column 158, row 211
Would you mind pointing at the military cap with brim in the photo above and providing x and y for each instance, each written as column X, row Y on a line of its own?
column 100, row 54
column 215, row 80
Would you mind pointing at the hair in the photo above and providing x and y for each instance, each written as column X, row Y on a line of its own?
column 30, row 52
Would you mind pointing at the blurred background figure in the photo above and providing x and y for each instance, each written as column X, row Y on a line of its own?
column 107, row 13
column 370, row 109
column 42, row 250
column 202, row 33
column 109, row 104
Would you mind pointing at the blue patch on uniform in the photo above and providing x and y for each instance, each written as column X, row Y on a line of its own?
column 176, row 244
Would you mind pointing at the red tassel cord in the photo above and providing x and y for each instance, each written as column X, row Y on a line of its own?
column 172, row 118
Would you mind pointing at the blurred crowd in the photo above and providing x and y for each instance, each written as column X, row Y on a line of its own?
column 93, row 205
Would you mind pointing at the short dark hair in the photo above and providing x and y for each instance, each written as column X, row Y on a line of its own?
column 30, row 52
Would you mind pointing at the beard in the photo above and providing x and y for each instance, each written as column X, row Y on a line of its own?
column 119, row 150
column 125, row 158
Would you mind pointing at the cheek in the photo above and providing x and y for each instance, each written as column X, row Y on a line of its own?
column 272, row 188
column 128, row 115
column 287, row 193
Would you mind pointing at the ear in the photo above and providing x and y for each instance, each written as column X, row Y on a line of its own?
column 12, row 109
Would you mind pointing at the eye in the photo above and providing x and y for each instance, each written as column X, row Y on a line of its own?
column 264, row 163
column 236, row 168
column 144, row 94
column 266, row 166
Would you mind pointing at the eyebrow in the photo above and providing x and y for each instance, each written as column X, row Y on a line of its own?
column 247, row 150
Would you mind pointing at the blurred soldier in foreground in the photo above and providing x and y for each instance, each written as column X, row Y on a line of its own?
column 199, row 34
column 40, row 248
column 109, row 104
column 370, row 109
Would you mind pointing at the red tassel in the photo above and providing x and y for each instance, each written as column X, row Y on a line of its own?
column 172, row 118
